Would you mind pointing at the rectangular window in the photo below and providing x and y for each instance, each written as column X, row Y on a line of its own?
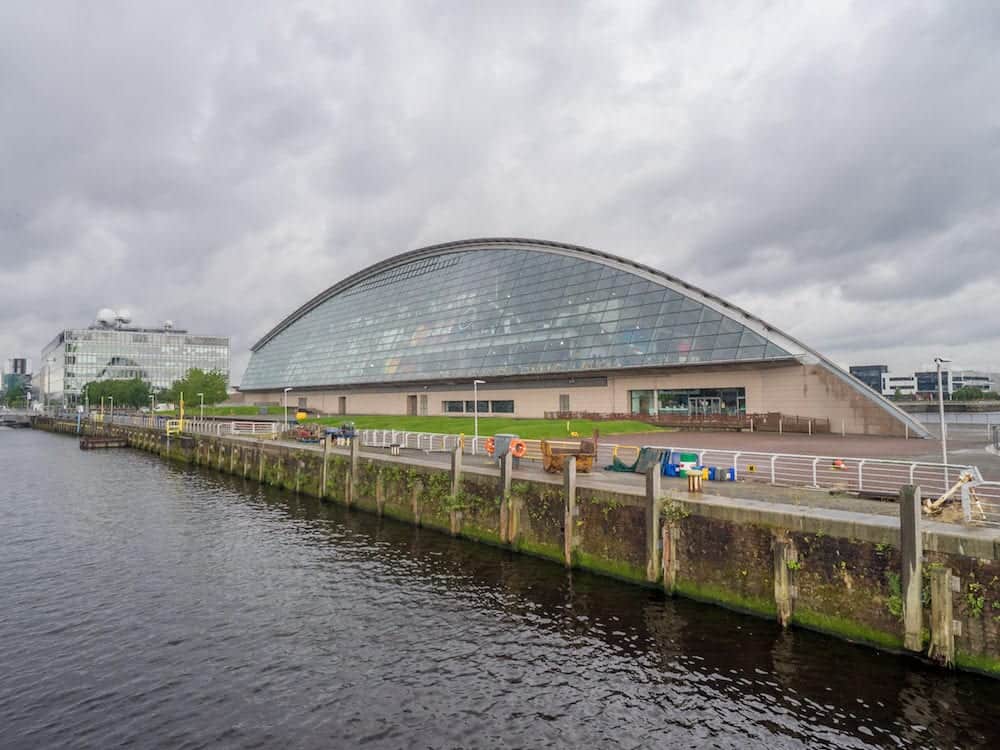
column 452, row 407
column 484, row 407
column 563, row 402
column 502, row 407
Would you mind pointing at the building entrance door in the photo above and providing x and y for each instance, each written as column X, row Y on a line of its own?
column 342, row 404
column 703, row 406
column 411, row 405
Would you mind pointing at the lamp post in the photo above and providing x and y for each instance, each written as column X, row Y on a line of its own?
column 944, row 430
column 111, row 410
column 201, row 406
column 152, row 409
column 285, row 402
column 475, row 412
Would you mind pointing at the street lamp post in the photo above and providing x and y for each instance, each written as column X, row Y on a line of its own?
column 475, row 412
column 285, row 402
column 111, row 416
column 201, row 407
column 944, row 429
column 152, row 409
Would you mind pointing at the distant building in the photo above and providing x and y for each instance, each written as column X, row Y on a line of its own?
column 112, row 349
column 870, row 375
column 17, row 372
column 923, row 384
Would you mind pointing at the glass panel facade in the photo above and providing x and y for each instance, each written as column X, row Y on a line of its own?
column 497, row 312
column 79, row 356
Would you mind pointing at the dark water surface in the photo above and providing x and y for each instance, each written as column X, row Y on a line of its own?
column 149, row 605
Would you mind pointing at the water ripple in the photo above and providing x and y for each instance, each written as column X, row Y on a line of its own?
column 156, row 606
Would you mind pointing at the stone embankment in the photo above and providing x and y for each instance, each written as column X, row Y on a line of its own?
column 906, row 584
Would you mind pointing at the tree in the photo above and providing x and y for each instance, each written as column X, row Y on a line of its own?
column 15, row 395
column 968, row 393
column 133, row 393
column 212, row 384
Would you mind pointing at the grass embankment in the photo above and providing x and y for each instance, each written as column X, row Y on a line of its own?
column 535, row 429
column 192, row 410
column 527, row 428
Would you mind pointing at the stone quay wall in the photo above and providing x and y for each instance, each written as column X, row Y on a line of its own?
column 906, row 585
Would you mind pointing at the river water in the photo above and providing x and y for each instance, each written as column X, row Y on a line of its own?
column 155, row 606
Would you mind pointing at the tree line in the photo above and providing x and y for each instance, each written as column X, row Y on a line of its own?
column 135, row 392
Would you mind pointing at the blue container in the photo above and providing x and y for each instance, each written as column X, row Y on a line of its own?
column 730, row 474
column 673, row 470
column 712, row 472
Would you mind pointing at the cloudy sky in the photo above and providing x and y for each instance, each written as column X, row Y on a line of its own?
column 833, row 167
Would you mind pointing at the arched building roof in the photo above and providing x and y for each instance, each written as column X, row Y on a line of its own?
column 503, row 307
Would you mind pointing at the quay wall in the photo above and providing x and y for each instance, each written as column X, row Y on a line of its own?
column 833, row 571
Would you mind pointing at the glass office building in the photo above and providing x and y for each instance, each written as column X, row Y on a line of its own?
column 113, row 350
column 538, row 321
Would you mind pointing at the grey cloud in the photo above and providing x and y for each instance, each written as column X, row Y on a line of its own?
column 218, row 164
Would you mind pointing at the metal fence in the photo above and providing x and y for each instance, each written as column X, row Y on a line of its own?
column 981, row 503
column 871, row 476
column 195, row 425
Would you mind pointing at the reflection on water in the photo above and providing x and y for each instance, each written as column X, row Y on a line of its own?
column 160, row 606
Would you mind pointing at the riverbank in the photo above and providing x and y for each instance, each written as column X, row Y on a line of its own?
column 835, row 571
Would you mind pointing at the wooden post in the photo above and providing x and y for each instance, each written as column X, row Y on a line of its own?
column 455, row 514
column 506, row 467
column 456, row 470
column 418, row 487
column 671, row 536
column 785, row 559
column 569, row 510
column 942, row 648
column 326, row 462
column 653, row 508
column 911, row 552
column 353, row 472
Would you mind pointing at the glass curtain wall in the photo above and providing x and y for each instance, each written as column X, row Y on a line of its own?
column 497, row 312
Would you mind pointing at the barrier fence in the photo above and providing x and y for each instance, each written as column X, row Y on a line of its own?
column 872, row 476
column 981, row 503
column 869, row 476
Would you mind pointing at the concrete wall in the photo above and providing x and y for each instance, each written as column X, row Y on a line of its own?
column 802, row 390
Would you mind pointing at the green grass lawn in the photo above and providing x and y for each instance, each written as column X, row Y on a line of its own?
column 192, row 410
column 526, row 428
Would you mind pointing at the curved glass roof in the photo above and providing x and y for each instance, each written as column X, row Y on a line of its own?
column 502, row 308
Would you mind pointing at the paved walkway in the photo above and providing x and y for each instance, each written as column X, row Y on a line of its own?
column 964, row 446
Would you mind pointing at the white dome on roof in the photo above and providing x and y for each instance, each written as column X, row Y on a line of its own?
column 124, row 316
column 106, row 316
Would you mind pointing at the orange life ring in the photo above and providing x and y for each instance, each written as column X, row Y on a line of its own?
column 518, row 448
column 490, row 445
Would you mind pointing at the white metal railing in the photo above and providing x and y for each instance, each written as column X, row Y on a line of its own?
column 981, row 502
column 194, row 426
column 877, row 476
